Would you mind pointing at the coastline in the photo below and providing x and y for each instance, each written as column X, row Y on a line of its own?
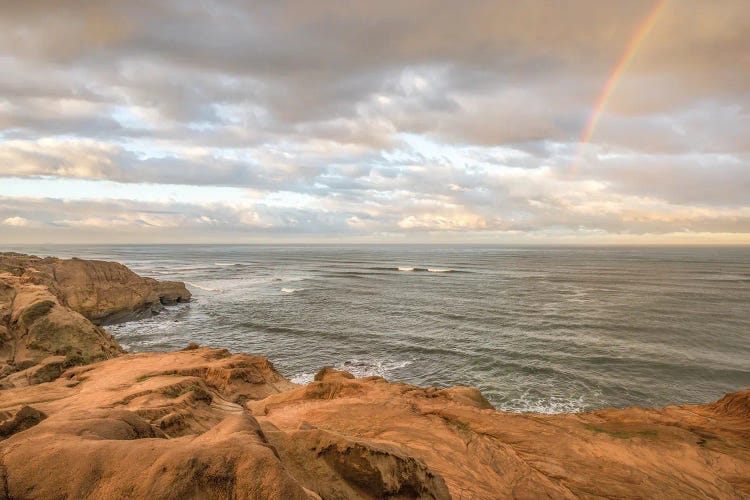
column 82, row 419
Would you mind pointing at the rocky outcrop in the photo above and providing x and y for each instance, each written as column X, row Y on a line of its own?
column 185, row 432
column 103, row 292
column 53, row 307
column 205, row 423
column 20, row 420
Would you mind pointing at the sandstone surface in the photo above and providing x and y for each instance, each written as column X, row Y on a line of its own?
column 204, row 423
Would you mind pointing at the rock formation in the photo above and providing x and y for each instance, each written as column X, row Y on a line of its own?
column 205, row 423
column 53, row 307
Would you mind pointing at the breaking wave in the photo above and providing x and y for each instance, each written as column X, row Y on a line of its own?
column 418, row 269
column 207, row 289
column 359, row 368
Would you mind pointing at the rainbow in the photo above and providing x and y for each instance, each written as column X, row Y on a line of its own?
column 614, row 77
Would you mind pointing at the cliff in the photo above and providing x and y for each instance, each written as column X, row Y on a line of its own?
column 205, row 423
column 53, row 307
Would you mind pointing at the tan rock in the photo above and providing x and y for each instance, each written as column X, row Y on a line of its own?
column 120, row 428
column 103, row 292
column 205, row 423
column 37, row 326
column 51, row 307
column 20, row 420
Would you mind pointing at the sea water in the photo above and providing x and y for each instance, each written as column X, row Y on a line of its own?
column 536, row 329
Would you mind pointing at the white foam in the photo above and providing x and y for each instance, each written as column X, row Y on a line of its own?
column 528, row 403
column 358, row 368
column 303, row 378
column 377, row 368
column 544, row 407
column 291, row 290
column 225, row 263
column 203, row 287
column 405, row 268
column 438, row 270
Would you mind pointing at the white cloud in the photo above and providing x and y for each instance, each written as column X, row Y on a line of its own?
column 442, row 222
column 17, row 222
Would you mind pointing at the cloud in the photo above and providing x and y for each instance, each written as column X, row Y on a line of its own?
column 287, row 65
column 376, row 118
column 441, row 222
column 17, row 221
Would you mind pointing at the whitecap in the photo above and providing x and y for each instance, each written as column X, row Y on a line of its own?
column 302, row 378
column 548, row 407
column 359, row 368
column 203, row 287
column 552, row 404
column 438, row 270
column 371, row 367
column 405, row 268
column 291, row 290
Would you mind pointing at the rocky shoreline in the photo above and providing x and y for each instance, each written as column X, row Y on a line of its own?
column 79, row 418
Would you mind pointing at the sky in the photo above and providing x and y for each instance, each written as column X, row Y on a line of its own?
column 396, row 121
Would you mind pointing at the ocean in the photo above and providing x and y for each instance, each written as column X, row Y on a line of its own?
column 536, row 329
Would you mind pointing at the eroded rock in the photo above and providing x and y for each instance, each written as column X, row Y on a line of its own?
column 52, row 307
column 23, row 419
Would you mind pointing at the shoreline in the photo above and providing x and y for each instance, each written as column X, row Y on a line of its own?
column 82, row 419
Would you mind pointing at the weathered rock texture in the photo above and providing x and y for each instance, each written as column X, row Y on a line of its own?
column 103, row 292
column 203, row 423
column 52, row 307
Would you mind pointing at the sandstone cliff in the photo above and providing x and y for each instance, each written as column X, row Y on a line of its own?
column 205, row 423
column 52, row 307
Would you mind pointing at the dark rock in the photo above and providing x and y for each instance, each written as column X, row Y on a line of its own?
column 25, row 418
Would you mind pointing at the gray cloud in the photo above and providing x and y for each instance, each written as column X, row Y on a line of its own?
column 410, row 117
column 304, row 63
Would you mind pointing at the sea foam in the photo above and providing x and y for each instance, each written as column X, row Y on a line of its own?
column 202, row 287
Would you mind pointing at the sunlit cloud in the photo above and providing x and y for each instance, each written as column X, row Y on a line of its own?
column 282, row 121
column 17, row 221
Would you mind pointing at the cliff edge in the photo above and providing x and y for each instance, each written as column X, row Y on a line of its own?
column 206, row 423
column 54, row 307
